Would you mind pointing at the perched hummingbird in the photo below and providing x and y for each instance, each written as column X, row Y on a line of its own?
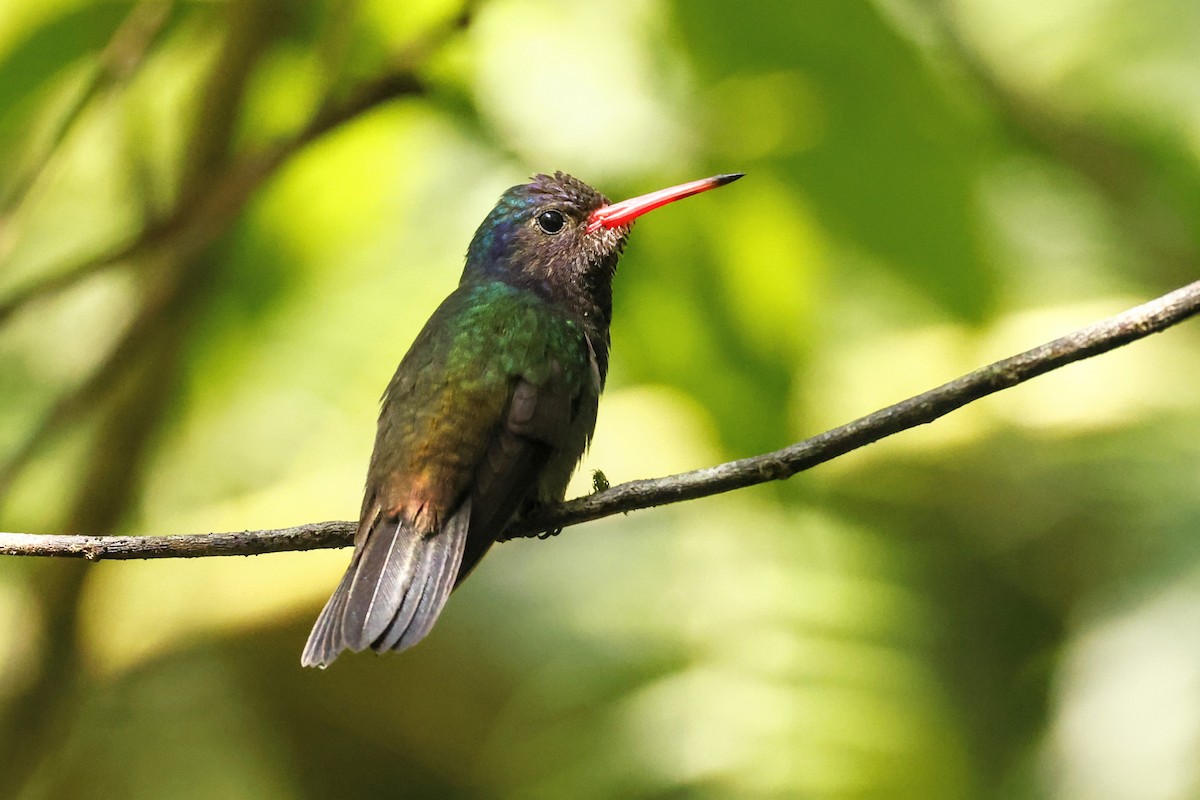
column 490, row 410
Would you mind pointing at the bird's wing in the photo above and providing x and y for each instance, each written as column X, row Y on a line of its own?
column 537, row 425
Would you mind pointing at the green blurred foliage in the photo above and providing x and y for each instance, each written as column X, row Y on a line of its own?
column 221, row 223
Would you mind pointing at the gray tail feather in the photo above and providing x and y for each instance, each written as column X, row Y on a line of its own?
column 392, row 592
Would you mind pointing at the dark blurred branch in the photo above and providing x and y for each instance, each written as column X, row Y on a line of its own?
column 214, row 203
column 1101, row 337
column 1150, row 185
column 92, row 392
column 117, row 63
column 63, row 279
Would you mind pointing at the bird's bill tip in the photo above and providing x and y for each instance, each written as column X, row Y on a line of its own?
column 615, row 215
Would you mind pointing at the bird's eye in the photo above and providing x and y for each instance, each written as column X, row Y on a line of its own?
column 551, row 221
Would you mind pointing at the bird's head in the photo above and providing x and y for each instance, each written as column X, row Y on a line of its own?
column 562, row 238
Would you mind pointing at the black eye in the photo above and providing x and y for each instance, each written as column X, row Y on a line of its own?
column 551, row 221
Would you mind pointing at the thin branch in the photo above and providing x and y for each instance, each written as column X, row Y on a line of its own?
column 1101, row 337
column 314, row 536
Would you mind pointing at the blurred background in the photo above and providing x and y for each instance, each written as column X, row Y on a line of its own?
column 222, row 223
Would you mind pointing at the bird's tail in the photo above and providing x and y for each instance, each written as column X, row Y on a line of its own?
column 393, row 590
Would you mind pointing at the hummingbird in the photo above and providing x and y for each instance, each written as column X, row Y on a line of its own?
column 490, row 410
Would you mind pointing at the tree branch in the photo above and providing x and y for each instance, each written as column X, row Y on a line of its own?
column 203, row 215
column 114, row 66
column 1101, row 337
